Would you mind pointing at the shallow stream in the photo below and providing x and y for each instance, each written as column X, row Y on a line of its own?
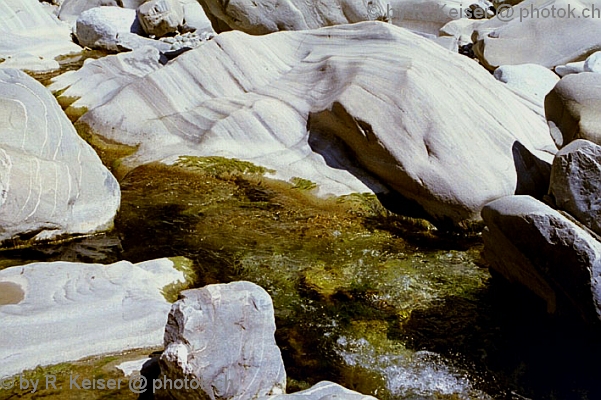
column 382, row 304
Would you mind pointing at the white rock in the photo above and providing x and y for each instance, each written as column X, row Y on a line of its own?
column 70, row 10
column 570, row 68
column 447, row 138
column 551, row 41
column 73, row 310
column 532, row 82
column 322, row 391
column 195, row 17
column 31, row 37
column 461, row 28
column 593, row 63
column 129, row 368
column 99, row 80
column 53, row 183
column 113, row 29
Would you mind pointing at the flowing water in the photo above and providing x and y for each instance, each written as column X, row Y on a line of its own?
column 385, row 305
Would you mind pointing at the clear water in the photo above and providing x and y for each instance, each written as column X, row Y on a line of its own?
column 381, row 304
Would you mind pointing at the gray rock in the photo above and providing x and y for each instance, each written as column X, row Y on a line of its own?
column 593, row 63
column 52, row 182
column 161, row 17
column 573, row 108
column 576, row 182
column 323, row 390
column 551, row 41
column 530, row 243
column 222, row 336
column 113, row 29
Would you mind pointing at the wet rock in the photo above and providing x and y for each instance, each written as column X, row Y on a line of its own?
column 323, row 390
column 552, row 41
column 576, row 182
column 160, row 17
column 113, row 29
column 531, row 82
column 32, row 38
column 530, row 243
column 75, row 310
column 52, row 182
column 223, row 337
column 573, row 108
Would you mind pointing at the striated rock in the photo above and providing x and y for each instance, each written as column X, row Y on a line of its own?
column 223, row 337
column 52, row 182
column 576, row 182
column 266, row 16
column 160, row 17
column 32, row 38
column 297, row 102
column 530, row 243
column 573, row 108
column 551, row 41
column 322, row 391
column 531, row 82
column 113, row 29
column 71, row 310
column 100, row 80
column 70, row 10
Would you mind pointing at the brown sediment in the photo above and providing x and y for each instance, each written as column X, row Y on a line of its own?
column 10, row 293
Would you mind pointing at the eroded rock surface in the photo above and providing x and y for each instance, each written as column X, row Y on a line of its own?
column 74, row 310
column 223, row 337
column 317, row 104
column 52, row 182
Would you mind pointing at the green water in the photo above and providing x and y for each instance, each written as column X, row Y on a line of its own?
column 382, row 304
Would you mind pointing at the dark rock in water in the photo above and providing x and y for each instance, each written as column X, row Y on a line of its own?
column 530, row 243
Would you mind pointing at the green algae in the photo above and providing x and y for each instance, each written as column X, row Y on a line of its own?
column 216, row 166
column 302, row 184
column 186, row 266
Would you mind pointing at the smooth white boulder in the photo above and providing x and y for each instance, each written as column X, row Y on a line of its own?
column 70, row 10
column 570, row 68
column 523, row 34
column 532, row 82
column 113, row 29
column 161, row 17
column 32, row 38
column 69, row 311
column 593, row 63
column 52, row 181
column 449, row 138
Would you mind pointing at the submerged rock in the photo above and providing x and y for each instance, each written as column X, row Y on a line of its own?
column 52, row 182
column 222, row 336
column 74, row 310
column 32, row 38
column 530, row 243
column 573, row 108
column 576, row 182
column 371, row 88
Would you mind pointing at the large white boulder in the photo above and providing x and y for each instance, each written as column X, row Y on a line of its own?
column 161, row 17
column 52, row 182
column 32, row 38
column 430, row 124
column 523, row 35
column 63, row 311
